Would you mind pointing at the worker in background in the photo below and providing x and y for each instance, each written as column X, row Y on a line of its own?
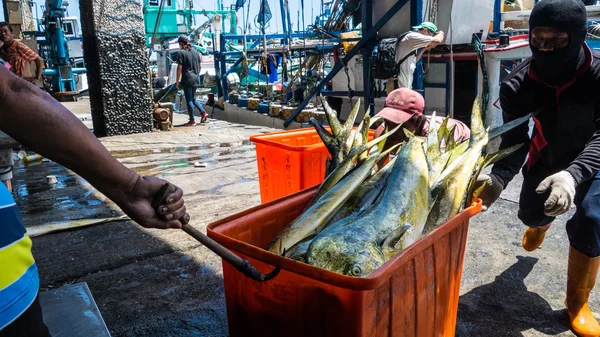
column 158, row 82
column 47, row 127
column 188, row 77
column 563, row 156
column 424, row 37
column 405, row 106
column 18, row 55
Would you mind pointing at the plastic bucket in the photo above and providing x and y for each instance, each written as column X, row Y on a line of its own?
column 290, row 161
column 414, row 294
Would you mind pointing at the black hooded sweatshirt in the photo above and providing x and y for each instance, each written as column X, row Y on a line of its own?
column 565, row 85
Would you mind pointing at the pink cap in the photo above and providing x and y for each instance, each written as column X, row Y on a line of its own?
column 401, row 104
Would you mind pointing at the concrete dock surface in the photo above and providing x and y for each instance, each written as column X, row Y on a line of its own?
column 163, row 283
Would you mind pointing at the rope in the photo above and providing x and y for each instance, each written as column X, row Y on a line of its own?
column 452, row 72
column 348, row 77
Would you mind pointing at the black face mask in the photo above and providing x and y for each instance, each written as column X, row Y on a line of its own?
column 559, row 65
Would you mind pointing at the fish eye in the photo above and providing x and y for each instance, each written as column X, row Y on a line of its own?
column 356, row 270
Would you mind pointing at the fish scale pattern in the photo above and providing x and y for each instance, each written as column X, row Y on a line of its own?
column 117, row 64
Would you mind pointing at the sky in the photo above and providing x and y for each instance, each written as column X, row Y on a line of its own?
column 275, row 23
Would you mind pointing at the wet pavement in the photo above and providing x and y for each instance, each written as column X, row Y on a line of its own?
column 68, row 199
column 163, row 283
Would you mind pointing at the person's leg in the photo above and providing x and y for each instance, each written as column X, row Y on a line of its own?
column 583, row 230
column 531, row 210
column 29, row 324
column 189, row 100
column 199, row 106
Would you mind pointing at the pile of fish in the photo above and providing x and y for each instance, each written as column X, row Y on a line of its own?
column 362, row 216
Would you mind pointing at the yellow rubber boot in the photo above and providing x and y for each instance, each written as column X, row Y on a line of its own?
column 580, row 282
column 534, row 237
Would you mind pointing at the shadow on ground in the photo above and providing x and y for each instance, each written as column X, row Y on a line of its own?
column 505, row 308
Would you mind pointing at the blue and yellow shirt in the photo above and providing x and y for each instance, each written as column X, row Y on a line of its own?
column 19, row 281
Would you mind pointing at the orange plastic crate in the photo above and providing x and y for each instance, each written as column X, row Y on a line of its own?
column 290, row 161
column 414, row 294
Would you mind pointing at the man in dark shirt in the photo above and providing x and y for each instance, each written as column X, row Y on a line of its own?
column 563, row 80
column 188, row 77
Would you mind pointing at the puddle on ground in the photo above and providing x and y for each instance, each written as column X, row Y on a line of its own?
column 70, row 198
column 145, row 152
column 40, row 202
column 209, row 159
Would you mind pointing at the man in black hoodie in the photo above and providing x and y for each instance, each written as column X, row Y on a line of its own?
column 563, row 157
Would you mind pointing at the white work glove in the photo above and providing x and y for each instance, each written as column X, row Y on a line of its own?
column 491, row 191
column 562, row 193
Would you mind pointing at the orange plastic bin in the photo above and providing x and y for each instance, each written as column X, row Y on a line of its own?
column 290, row 161
column 414, row 294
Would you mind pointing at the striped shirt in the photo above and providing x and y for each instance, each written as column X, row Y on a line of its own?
column 19, row 280
column 18, row 55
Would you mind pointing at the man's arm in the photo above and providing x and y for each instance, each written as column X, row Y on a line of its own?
column 179, row 61
column 179, row 69
column 48, row 128
column 417, row 40
column 424, row 42
column 587, row 164
column 507, row 168
column 420, row 54
column 40, row 66
column 438, row 38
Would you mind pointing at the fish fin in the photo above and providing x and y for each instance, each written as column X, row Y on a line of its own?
column 386, row 152
column 432, row 203
column 351, row 140
column 392, row 239
column 489, row 159
column 332, row 120
column 432, row 136
column 382, row 137
column 381, row 144
column 477, row 126
column 450, row 142
column 442, row 131
column 299, row 250
column 374, row 120
column 511, row 125
column 355, row 139
column 335, row 177
column 457, row 151
column 362, row 137
column 365, row 129
column 349, row 122
column 328, row 139
column 477, row 191
column 413, row 137
column 471, row 186
column 328, row 166
column 501, row 154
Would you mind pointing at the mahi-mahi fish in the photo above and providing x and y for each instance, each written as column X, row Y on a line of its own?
column 451, row 188
column 317, row 216
column 352, row 246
